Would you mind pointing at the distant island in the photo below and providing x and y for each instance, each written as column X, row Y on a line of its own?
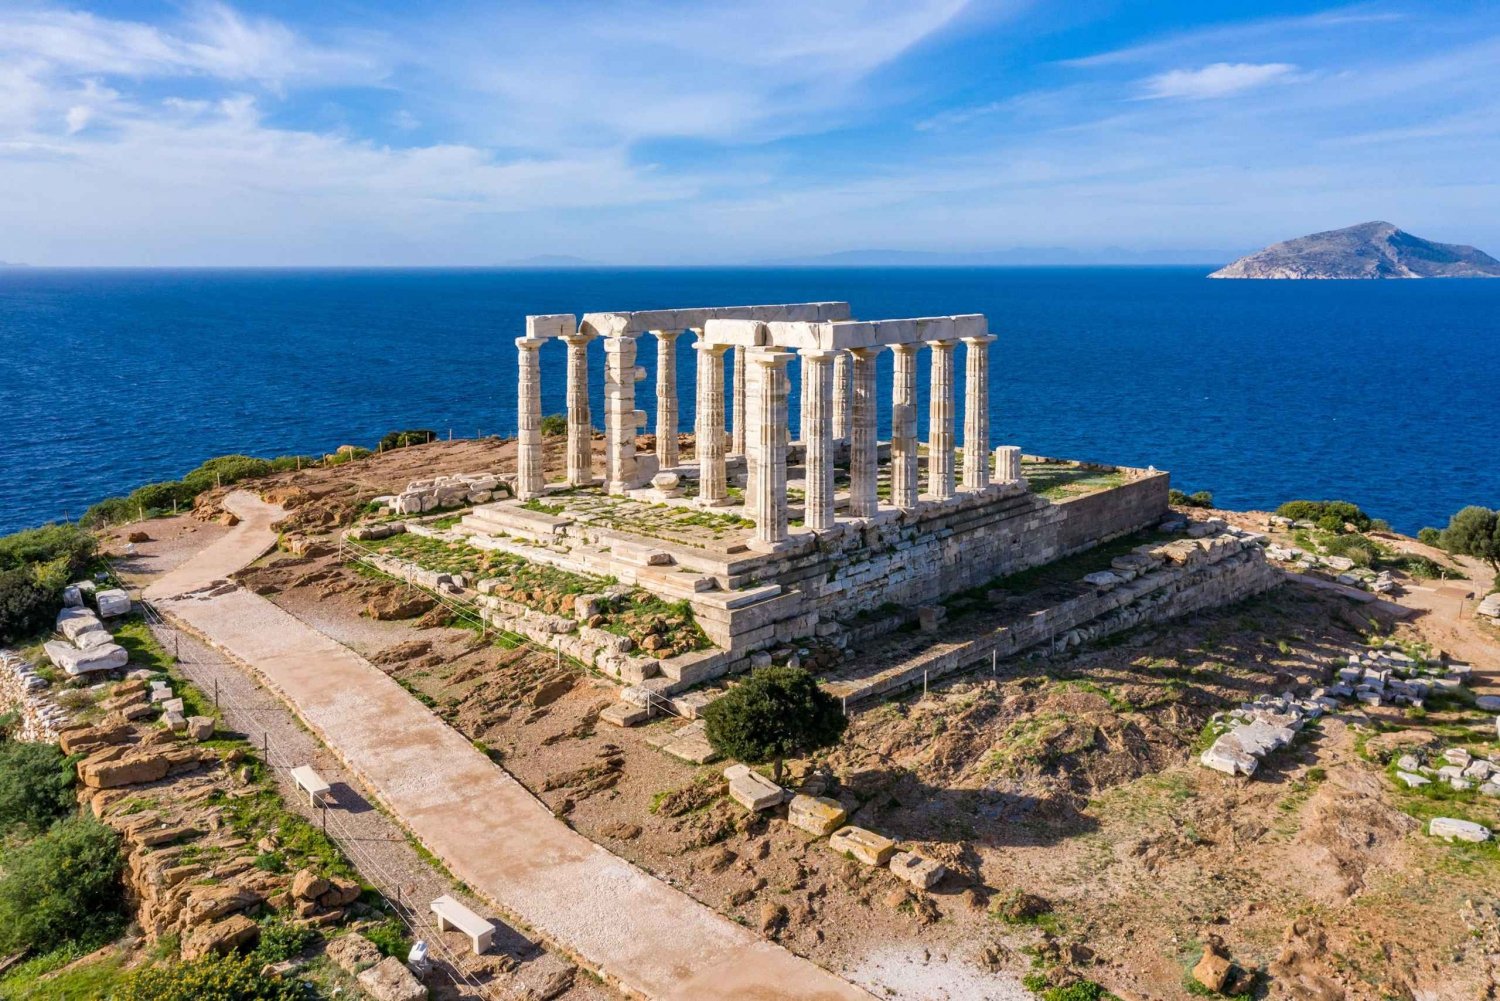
column 1369, row 250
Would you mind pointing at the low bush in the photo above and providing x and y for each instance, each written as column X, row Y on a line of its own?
column 27, row 606
column 211, row 978
column 402, row 439
column 555, row 424
column 280, row 941
column 390, row 937
column 1336, row 512
column 36, row 784
column 156, row 498
column 1200, row 498
column 60, row 886
column 65, row 545
column 1474, row 531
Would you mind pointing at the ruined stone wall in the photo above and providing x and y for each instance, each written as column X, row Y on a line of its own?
column 924, row 556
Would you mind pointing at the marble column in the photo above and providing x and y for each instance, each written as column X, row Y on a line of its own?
column 737, row 416
column 843, row 393
column 751, row 423
column 817, row 438
column 769, row 430
column 529, row 476
column 580, row 422
column 712, row 485
column 904, row 483
column 940, row 423
column 977, row 412
column 666, row 397
column 621, row 419
column 864, row 455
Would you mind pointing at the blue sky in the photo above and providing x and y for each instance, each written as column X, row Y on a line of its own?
column 367, row 132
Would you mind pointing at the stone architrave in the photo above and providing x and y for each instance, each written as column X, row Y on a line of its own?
column 529, row 477
column 768, row 423
column 621, row 420
column 864, row 456
column 737, row 427
column 580, row 421
column 817, row 438
column 904, row 485
column 940, row 423
column 712, row 485
column 843, row 395
column 666, row 397
column 977, row 412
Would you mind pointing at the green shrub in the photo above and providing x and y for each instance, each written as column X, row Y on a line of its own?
column 1316, row 511
column 776, row 712
column 390, row 937
column 211, row 978
column 1431, row 536
column 27, row 607
column 158, row 498
column 36, row 784
column 65, row 543
column 555, row 424
column 401, row 439
column 1474, row 531
column 1200, row 498
column 280, row 941
column 62, row 885
column 1331, row 523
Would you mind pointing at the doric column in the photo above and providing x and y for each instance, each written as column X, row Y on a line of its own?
column 843, row 394
column 904, row 486
column 817, row 438
column 940, row 423
column 621, row 419
column 977, row 412
column 580, row 423
column 864, row 456
column 712, row 486
column 529, row 476
column 666, row 397
column 769, row 430
column 737, row 416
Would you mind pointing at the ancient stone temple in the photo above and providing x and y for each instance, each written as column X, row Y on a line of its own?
column 773, row 537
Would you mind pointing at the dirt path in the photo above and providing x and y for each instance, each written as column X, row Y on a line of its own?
column 489, row 830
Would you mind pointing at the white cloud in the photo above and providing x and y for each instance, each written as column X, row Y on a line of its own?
column 1216, row 80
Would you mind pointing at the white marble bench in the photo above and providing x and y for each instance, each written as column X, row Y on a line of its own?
column 312, row 783
column 452, row 914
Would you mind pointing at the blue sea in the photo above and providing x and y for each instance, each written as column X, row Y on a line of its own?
column 1383, row 393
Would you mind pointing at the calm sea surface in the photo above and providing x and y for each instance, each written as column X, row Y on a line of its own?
column 1383, row 393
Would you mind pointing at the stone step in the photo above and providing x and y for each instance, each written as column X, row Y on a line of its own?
column 674, row 582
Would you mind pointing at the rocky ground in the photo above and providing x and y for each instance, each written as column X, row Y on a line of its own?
column 1082, row 838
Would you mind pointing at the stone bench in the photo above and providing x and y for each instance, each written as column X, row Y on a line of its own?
column 312, row 783
column 452, row 914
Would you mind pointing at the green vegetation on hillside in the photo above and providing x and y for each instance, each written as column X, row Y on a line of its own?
column 35, row 566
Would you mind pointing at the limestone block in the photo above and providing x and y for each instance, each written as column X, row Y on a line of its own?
column 624, row 713
column 816, row 814
column 200, row 727
column 390, row 980
column 920, row 872
column 92, row 638
column 1228, row 758
column 1104, row 580
column 752, row 790
column 866, row 846
column 1412, row 781
column 1489, row 703
column 175, row 721
column 112, row 602
column 1451, row 828
column 72, row 596
column 74, row 661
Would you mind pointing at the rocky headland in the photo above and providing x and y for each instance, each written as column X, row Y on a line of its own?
column 1369, row 250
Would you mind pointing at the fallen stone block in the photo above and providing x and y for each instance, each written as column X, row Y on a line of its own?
column 352, row 953
column 1463, row 830
column 112, row 602
column 1229, row 758
column 200, row 727
column 752, row 790
column 390, row 980
column 816, row 814
column 74, row 661
column 1412, row 780
column 866, row 846
column 624, row 713
column 923, row 873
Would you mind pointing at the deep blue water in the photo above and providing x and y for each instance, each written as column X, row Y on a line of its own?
column 1383, row 393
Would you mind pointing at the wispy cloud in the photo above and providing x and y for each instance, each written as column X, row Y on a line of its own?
column 1216, row 80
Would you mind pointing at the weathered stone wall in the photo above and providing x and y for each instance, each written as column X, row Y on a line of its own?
column 23, row 691
column 1195, row 575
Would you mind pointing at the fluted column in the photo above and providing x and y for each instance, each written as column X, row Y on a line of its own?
column 843, row 394
column 737, row 416
column 817, row 438
column 621, row 420
column 864, row 456
column 977, row 412
column 529, row 476
column 904, row 484
column 580, row 422
column 666, row 397
column 940, row 423
column 769, row 430
column 712, row 485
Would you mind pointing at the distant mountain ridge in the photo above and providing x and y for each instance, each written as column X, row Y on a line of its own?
column 1011, row 257
column 1369, row 250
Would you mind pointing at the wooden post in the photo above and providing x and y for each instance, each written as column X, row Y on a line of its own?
column 216, row 693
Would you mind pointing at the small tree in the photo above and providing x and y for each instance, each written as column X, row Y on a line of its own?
column 1474, row 531
column 775, row 713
